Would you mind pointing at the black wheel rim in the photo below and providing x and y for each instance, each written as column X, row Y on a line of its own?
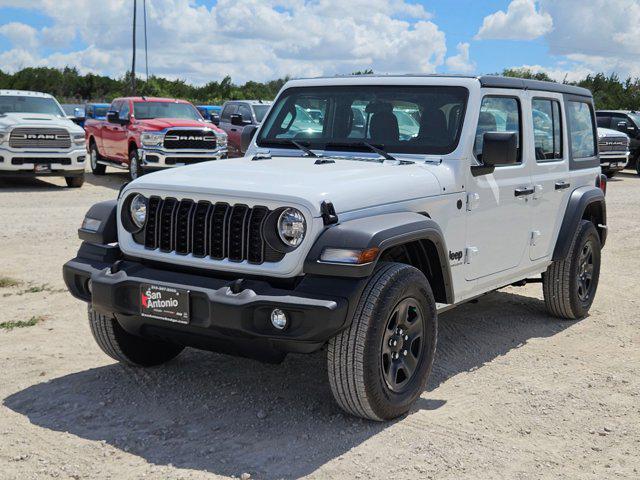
column 585, row 272
column 402, row 344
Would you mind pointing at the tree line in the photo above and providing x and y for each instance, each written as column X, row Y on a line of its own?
column 69, row 86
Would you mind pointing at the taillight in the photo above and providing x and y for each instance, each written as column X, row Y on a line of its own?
column 601, row 183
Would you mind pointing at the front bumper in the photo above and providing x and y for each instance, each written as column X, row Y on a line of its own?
column 614, row 161
column 156, row 158
column 42, row 162
column 239, row 323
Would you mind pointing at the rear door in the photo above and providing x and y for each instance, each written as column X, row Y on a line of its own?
column 499, row 220
column 225, row 122
column 549, row 160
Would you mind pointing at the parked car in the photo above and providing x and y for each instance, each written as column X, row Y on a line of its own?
column 627, row 122
column 75, row 112
column 210, row 113
column 144, row 133
column 38, row 139
column 237, row 114
column 353, row 240
column 96, row 111
column 613, row 147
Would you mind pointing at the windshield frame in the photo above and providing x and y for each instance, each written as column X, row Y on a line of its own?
column 198, row 115
column 261, row 140
column 61, row 112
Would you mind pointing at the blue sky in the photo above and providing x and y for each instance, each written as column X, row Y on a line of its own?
column 202, row 40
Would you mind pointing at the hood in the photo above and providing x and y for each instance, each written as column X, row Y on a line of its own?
column 162, row 123
column 348, row 184
column 607, row 132
column 10, row 120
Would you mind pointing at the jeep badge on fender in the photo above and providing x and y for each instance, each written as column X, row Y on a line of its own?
column 346, row 230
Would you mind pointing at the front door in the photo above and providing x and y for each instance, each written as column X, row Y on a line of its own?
column 499, row 219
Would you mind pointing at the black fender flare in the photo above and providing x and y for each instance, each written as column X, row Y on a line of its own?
column 107, row 230
column 581, row 199
column 382, row 231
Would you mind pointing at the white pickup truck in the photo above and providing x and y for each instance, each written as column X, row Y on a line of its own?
column 37, row 138
column 353, row 229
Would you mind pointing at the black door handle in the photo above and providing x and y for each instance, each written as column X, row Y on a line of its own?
column 521, row 192
column 234, row 129
column 562, row 185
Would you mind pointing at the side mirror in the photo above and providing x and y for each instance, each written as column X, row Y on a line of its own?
column 246, row 136
column 215, row 119
column 113, row 116
column 498, row 148
column 237, row 120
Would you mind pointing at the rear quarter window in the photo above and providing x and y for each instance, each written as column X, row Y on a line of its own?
column 581, row 129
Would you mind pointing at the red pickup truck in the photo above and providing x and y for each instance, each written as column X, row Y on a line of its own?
column 144, row 133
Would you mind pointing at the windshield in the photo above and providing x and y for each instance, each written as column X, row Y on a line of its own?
column 100, row 112
column 148, row 110
column 635, row 117
column 20, row 104
column 402, row 119
column 260, row 111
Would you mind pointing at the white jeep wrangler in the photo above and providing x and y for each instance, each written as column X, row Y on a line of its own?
column 37, row 138
column 353, row 228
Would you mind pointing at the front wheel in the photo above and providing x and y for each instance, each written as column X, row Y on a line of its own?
column 135, row 170
column 74, row 182
column 569, row 285
column 378, row 367
column 127, row 348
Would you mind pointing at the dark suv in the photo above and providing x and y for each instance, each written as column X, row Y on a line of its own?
column 237, row 114
column 626, row 121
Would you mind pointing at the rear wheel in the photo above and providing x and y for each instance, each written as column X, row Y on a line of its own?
column 379, row 366
column 94, row 157
column 135, row 170
column 126, row 348
column 569, row 285
column 74, row 182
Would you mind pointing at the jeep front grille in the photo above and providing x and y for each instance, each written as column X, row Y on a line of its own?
column 190, row 139
column 39, row 138
column 216, row 230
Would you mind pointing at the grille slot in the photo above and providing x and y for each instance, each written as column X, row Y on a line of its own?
column 190, row 139
column 39, row 138
column 218, row 230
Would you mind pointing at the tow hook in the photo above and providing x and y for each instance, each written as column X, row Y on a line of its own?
column 236, row 286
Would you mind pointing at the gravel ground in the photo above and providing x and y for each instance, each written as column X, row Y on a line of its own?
column 514, row 393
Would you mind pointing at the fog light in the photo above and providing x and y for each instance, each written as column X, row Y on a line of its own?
column 278, row 319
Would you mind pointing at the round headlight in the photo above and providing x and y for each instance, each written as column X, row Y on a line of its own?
column 138, row 210
column 291, row 227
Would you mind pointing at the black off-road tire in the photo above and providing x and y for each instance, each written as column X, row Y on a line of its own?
column 135, row 170
column 74, row 182
column 355, row 356
column 561, row 281
column 94, row 157
column 127, row 348
column 638, row 164
column 610, row 173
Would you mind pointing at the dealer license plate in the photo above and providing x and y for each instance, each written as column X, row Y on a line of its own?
column 164, row 303
column 41, row 168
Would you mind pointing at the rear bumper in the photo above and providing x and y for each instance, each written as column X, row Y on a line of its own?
column 160, row 158
column 220, row 320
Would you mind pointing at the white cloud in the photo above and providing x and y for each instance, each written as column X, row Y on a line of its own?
column 249, row 40
column 461, row 63
column 20, row 35
column 521, row 21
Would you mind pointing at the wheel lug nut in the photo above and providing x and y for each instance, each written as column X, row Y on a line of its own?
column 400, row 331
column 404, row 353
column 406, row 337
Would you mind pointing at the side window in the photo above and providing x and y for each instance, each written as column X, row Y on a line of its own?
column 498, row 114
column 547, row 129
column 604, row 121
column 245, row 111
column 124, row 110
column 619, row 119
column 115, row 105
column 580, row 116
column 228, row 111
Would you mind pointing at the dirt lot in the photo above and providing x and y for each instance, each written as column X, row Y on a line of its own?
column 514, row 393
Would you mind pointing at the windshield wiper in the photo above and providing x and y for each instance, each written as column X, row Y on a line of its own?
column 384, row 154
column 298, row 145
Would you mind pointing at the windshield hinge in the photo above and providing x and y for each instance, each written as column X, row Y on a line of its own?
column 328, row 212
column 262, row 155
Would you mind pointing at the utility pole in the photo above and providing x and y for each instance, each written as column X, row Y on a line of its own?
column 133, row 60
column 146, row 54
